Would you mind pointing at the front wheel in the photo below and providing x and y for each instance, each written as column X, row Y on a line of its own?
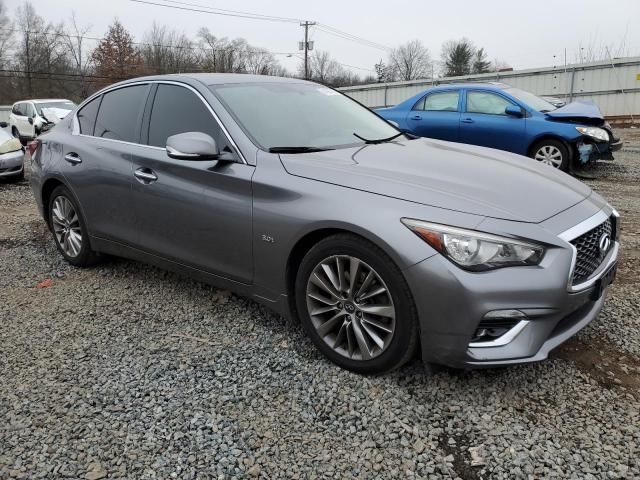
column 355, row 305
column 551, row 152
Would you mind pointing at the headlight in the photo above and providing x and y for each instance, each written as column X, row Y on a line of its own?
column 12, row 145
column 476, row 251
column 594, row 132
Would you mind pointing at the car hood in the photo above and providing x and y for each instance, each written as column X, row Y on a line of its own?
column 581, row 109
column 464, row 178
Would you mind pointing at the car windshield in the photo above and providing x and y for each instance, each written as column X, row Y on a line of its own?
column 301, row 115
column 65, row 105
column 531, row 100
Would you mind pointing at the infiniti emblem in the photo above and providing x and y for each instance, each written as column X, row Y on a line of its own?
column 604, row 243
column 349, row 307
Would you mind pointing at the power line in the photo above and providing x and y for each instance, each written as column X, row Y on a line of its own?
column 265, row 17
column 348, row 36
column 192, row 8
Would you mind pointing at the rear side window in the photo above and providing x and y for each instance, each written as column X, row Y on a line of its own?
column 439, row 102
column 119, row 114
column 87, row 116
column 179, row 110
column 485, row 102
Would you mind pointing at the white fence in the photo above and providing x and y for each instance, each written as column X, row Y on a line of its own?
column 613, row 85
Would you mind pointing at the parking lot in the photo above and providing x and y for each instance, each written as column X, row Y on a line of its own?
column 124, row 370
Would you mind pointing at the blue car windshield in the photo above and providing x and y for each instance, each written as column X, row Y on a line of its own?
column 287, row 114
column 530, row 99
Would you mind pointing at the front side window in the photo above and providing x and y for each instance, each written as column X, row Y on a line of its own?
column 283, row 114
column 119, row 114
column 87, row 116
column 178, row 110
column 440, row 102
column 17, row 110
column 486, row 102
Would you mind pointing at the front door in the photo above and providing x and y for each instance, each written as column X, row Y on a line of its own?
column 197, row 213
column 484, row 122
column 436, row 115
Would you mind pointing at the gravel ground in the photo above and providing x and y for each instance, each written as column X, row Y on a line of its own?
column 128, row 371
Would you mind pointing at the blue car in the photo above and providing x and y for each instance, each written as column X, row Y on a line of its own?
column 499, row 116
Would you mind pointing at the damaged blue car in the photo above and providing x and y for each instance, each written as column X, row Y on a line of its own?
column 497, row 115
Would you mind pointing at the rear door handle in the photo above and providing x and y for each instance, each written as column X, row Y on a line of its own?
column 73, row 158
column 467, row 120
column 145, row 175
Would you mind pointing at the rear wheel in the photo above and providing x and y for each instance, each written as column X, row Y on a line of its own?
column 355, row 305
column 69, row 229
column 551, row 152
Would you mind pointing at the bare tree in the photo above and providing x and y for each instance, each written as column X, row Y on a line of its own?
column 6, row 34
column 410, row 61
column 39, row 55
column 167, row 51
column 79, row 55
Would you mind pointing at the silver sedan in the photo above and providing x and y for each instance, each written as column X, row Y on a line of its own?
column 11, row 156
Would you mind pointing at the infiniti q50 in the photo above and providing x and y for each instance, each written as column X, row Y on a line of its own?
column 383, row 245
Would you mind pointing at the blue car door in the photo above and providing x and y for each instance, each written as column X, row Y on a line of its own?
column 436, row 115
column 484, row 122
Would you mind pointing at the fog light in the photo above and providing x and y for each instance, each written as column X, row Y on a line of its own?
column 495, row 324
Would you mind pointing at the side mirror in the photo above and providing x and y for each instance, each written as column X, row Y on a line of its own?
column 192, row 146
column 30, row 121
column 4, row 124
column 514, row 111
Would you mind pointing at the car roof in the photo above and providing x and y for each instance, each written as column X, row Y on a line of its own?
column 218, row 78
column 43, row 100
column 487, row 85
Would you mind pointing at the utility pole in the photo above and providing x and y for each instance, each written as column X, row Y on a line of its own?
column 306, row 24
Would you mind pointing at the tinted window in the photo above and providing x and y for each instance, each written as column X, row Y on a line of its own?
column 179, row 110
column 440, row 102
column 87, row 116
column 119, row 114
column 484, row 102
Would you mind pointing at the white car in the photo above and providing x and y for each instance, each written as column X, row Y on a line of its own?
column 29, row 117
column 11, row 155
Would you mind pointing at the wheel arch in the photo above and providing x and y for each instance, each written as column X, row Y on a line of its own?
column 311, row 238
column 550, row 136
column 49, row 185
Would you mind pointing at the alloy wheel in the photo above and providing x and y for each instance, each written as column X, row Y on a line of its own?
column 351, row 307
column 66, row 226
column 549, row 155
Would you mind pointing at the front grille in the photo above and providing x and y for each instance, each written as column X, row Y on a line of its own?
column 589, row 254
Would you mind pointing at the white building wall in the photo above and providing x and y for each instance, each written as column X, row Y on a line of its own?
column 613, row 85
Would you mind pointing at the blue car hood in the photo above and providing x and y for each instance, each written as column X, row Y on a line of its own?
column 580, row 109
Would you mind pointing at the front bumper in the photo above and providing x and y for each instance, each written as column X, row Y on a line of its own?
column 452, row 302
column 589, row 151
column 11, row 163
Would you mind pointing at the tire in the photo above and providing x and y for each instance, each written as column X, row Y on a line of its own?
column 66, row 221
column 339, row 332
column 553, row 153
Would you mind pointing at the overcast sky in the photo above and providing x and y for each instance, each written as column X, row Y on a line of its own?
column 523, row 34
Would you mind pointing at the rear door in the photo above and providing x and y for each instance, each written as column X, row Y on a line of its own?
column 437, row 115
column 194, row 212
column 485, row 123
column 97, row 161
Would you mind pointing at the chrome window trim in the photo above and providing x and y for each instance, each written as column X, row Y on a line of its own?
column 503, row 340
column 76, row 126
column 580, row 229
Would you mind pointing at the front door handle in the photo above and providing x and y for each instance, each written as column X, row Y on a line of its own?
column 145, row 175
column 73, row 158
column 416, row 117
column 467, row 120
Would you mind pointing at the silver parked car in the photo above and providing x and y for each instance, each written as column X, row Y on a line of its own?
column 11, row 156
column 297, row 196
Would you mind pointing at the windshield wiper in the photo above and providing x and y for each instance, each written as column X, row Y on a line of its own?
column 298, row 149
column 378, row 140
